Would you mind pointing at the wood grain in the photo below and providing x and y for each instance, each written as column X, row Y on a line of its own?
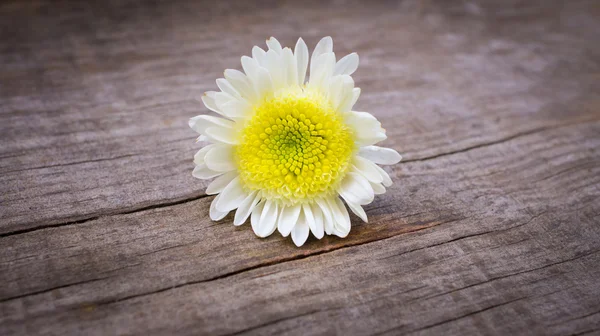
column 491, row 226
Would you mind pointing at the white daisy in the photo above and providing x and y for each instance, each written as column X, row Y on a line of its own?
column 287, row 149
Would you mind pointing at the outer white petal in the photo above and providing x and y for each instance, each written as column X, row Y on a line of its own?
column 214, row 213
column 203, row 172
column 202, row 122
column 367, row 169
column 220, row 158
column 378, row 189
column 224, row 85
column 288, row 62
column 259, row 55
column 199, row 156
column 368, row 128
column 255, row 217
column 380, row 155
column 268, row 220
column 222, row 98
column 321, row 70
column 328, row 220
column 325, row 45
column 209, row 101
column 274, row 45
column 231, row 197
column 241, row 83
column 222, row 134
column 359, row 211
column 288, row 218
column 355, row 95
column 341, row 227
column 356, row 189
column 347, row 65
column 346, row 94
column 264, row 84
column 237, row 108
column 387, row 181
column 250, row 66
column 245, row 209
column 301, row 54
column 318, row 230
column 218, row 184
column 300, row 231
column 275, row 68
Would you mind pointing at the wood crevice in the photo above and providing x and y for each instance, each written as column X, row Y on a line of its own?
column 499, row 141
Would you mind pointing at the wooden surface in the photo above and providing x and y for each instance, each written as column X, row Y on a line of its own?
column 492, row 225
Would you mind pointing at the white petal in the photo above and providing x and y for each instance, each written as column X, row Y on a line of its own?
column 220, row 183
column 231, row 196
column 241, row 83
column 255, row 217
column 380, row 155
column 355, row 95
column 245, row 208
column 301, row 54
column 359, row 211
column 321, row 70
column 288, row 218
column 367, row 169
column 274, row 45
column 328, row 220
column 203, row 172
column 347, row 65
column 325, row 45
column 368, row 128
column 237, row 108
column 300, row 231
column 355, row 188
column 370, row 140
column 346, row 94
column 220, row 158
column 288, row 62
column 250, row 66
column 224, row 85
column 268, row 219
column 199, row 156
column 378, row 189
column 202, row 122
column 259, row 55
column 264, row 84
column 222, row 98
column 275, row 69
column 317, row 229
column 209, row 101
column 341, row 227
column 222, row 134
column 214, row 213
column 387, row 181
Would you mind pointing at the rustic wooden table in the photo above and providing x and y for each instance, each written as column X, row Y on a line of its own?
column 492, row 225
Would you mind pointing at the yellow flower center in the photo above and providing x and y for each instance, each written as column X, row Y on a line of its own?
column 295, row 147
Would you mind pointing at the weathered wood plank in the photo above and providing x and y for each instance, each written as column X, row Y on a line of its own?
column 491, row 227
column 482, row 252
column 94, row 122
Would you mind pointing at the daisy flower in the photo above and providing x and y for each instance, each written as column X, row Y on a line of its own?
column 287, row 150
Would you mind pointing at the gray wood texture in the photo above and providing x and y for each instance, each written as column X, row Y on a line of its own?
column 491, row 227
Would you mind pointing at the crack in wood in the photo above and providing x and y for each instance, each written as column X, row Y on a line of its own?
column 84, row 220
column 166, row 204
column 502, row 140
column 71, row 163
column 270, row 263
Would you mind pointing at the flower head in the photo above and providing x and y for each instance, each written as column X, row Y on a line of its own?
column 287, row 149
